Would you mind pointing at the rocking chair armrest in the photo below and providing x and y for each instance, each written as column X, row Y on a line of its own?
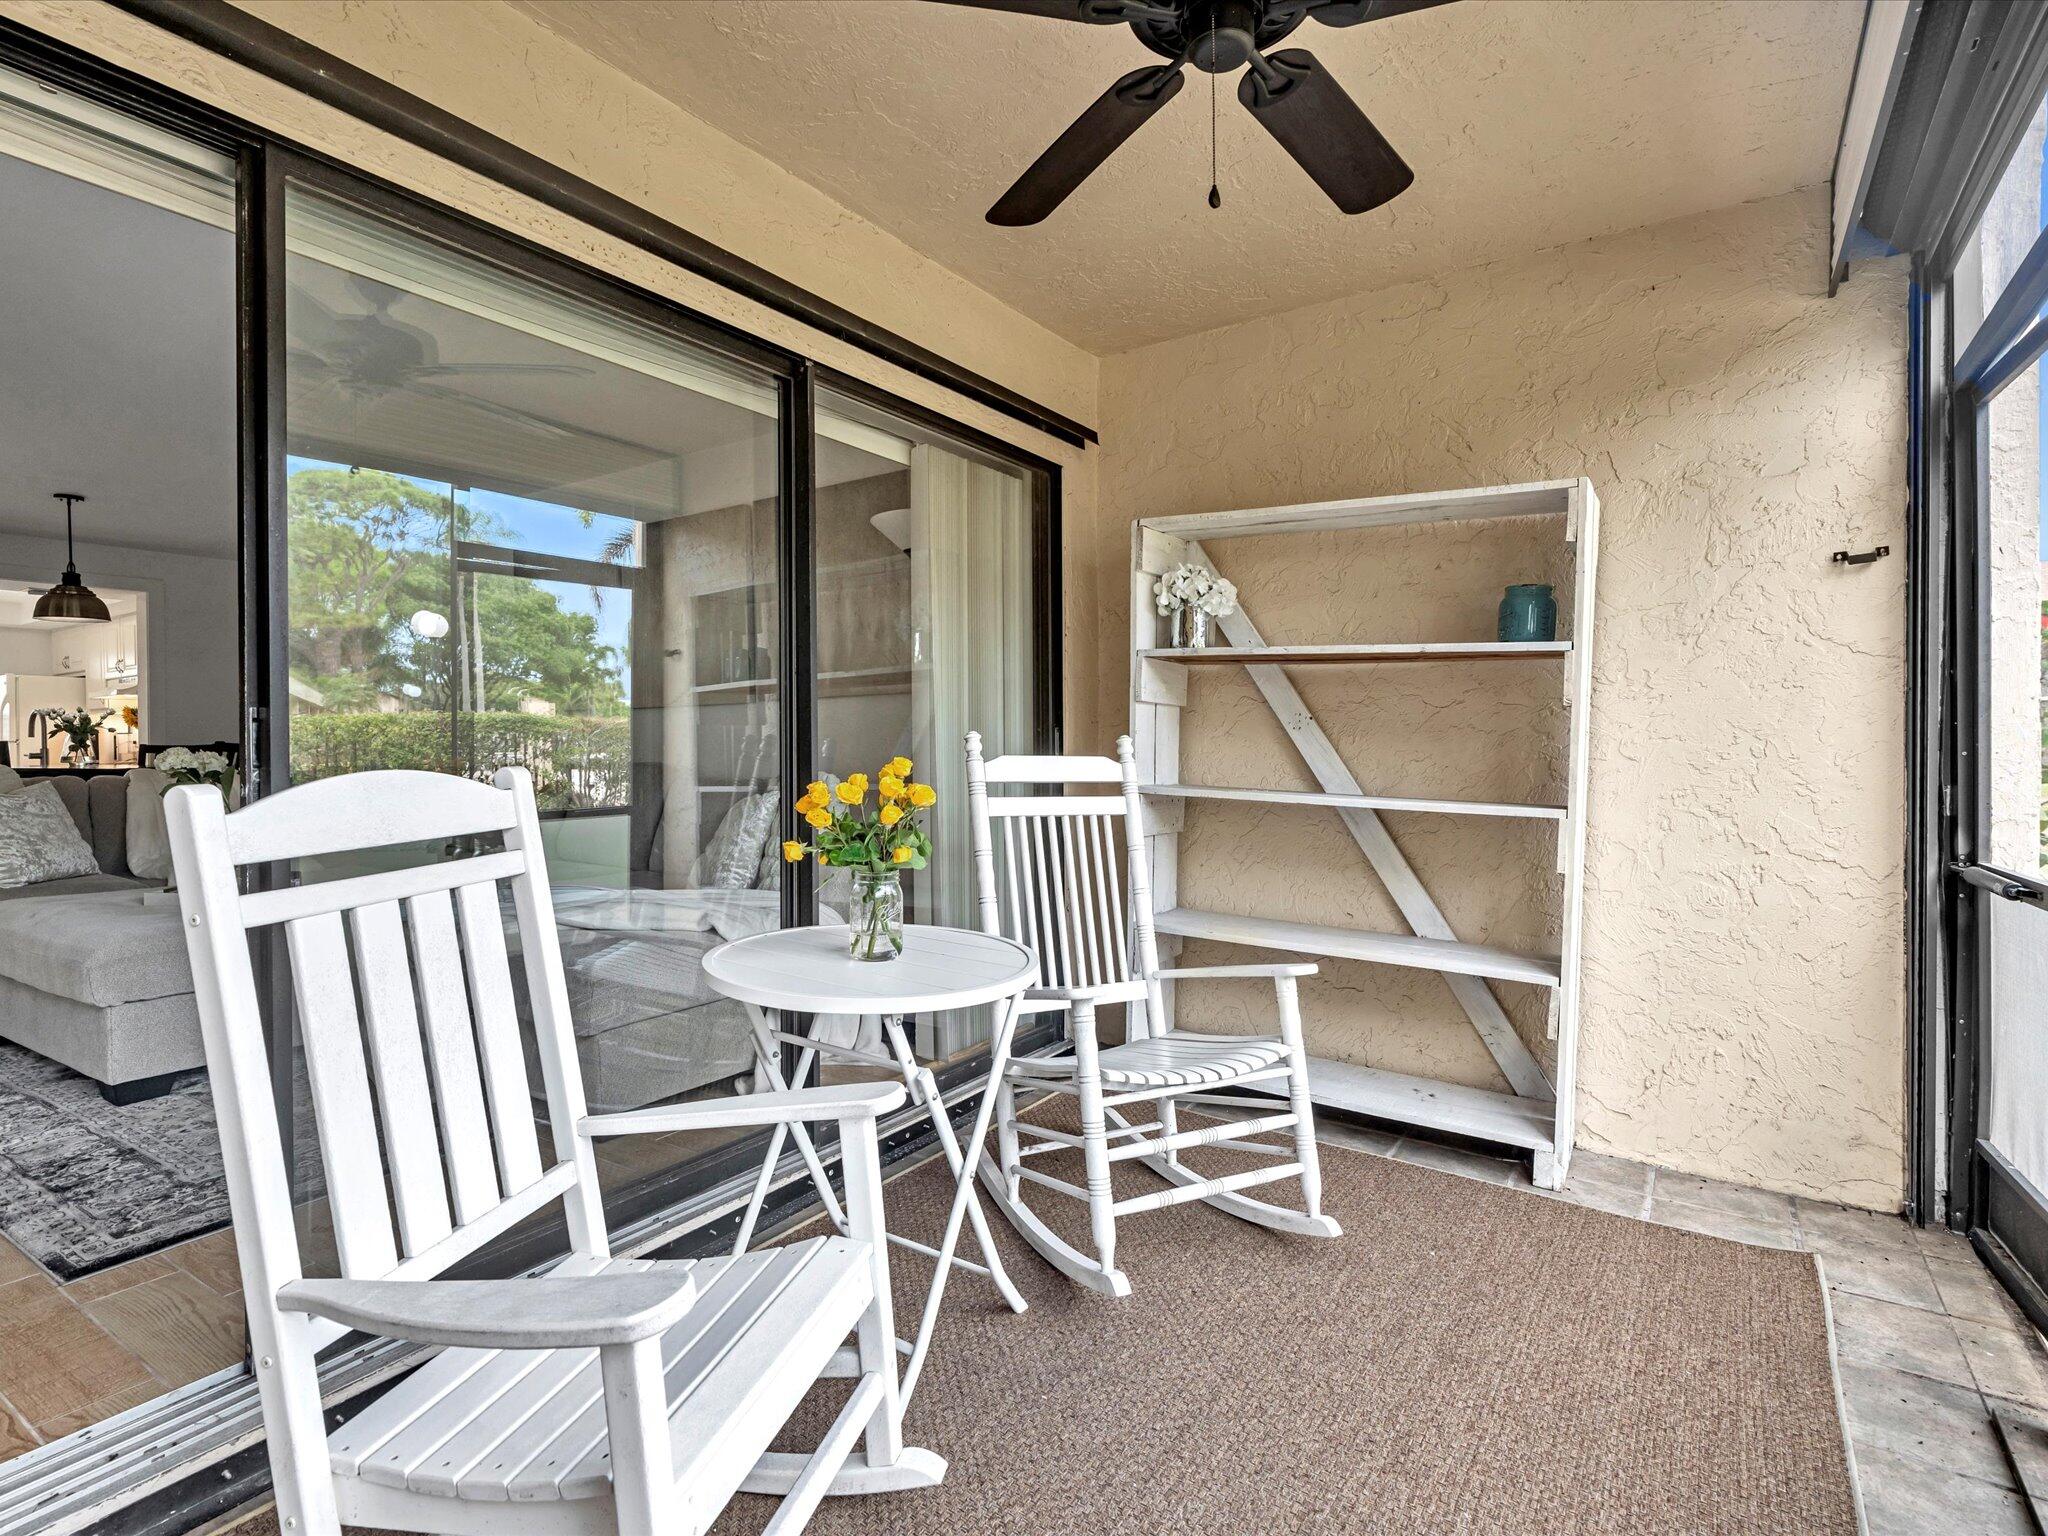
column 1221, row 972
column 844, row 1101
column 543, row 1312
column 1106, row 992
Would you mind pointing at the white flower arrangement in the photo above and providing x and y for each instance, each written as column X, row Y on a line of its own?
column 188, row 767
column 1189, row 585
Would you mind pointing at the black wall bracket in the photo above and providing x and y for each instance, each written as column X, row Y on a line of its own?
column 1843, row 557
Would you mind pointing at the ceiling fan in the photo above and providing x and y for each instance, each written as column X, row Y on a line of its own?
column 364, row 357
column 1290, row 95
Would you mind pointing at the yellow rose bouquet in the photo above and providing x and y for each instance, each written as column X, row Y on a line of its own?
column 875, row 840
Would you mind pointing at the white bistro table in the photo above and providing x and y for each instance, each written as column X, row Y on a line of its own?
column 808, row 971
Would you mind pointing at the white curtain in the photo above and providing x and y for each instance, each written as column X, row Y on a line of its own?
column 970, row 595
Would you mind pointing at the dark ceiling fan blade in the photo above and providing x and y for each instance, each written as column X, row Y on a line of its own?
column 1089, row 140
column 1349, row 13
column 1298, row 101
column 1099, row 12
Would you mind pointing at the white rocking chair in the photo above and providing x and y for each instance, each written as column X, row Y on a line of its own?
column 1061, row 897
column 605, row 1395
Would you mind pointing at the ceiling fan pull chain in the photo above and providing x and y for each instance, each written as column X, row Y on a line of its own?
column 1215, row 197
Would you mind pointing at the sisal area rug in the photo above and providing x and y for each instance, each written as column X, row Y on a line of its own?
column 1465, row 1359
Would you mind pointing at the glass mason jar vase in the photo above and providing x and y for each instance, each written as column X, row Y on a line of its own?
column 1190, row 628
column 876, row 927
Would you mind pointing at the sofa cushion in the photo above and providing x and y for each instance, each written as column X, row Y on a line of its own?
column 77, row 885
column 106, row 797
column 72, row 792
column 9, row 779
column 38, row 841
column 99, row 809
column 149, row 840
column 105, row 948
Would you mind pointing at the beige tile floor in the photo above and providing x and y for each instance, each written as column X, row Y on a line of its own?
column 1929, row 1345
column 73, row 1354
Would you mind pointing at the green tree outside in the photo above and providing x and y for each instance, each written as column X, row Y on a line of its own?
column 368, row 550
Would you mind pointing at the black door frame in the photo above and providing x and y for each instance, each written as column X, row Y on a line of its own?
column 798, row 380
column 2004, row 1214
column 264, row 163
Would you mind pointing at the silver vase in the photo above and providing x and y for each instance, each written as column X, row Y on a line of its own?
column 1190, row 629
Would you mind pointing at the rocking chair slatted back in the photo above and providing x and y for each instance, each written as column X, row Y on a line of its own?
column 1060, row 892
column 407, row 1018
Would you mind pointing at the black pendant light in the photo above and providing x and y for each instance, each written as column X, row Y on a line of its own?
column 71, row 601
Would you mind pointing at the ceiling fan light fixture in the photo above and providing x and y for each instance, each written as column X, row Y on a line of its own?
column 71, row 601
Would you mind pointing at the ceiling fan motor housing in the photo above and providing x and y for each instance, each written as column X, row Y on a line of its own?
column 1217, row 36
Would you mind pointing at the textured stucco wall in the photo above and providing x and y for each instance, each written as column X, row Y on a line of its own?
column 500, row 69
column 1743, row 1009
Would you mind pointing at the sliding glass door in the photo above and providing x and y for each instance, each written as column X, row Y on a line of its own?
column 929, row 622
column 526, row 528
column 458, row 504
column 2000, row 298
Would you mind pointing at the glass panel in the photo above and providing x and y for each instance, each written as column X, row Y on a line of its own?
column 527, row 530
column 2011, row 223
column 2016, row 1065
column 926, row 629
column 117, row 381
column 2016, row 1050
column 2019, row 781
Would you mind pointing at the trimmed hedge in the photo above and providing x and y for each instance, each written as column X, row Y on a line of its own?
column 577, row 762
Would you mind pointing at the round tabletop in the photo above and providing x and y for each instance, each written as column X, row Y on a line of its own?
column 808, row 970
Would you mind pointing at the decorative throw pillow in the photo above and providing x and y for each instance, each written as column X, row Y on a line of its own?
column 10, row 781
column 38, row 839
column 149, row 840
column 713, row 851
column 736, row 866
column 729, row 860
column 768, row 873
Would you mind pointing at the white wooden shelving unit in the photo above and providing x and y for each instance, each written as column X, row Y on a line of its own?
column 1537, row 1116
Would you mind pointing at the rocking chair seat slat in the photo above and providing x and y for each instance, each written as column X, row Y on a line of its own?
column 1178, row 1060
column 523, row 1425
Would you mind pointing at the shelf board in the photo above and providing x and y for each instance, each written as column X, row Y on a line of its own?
column 1480, row 1113
column 1448, row 955
column 1353, row 655
column 1361, row 802
column 1539, row 499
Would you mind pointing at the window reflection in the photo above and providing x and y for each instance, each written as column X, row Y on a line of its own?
column 525, row 530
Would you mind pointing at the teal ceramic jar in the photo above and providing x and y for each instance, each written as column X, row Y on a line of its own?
column 1528, row 612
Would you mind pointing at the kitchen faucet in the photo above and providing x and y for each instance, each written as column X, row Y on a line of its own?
column 38, row 729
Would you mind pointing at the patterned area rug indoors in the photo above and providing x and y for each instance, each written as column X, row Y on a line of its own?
column 85, row 1184
column 1466, row 1358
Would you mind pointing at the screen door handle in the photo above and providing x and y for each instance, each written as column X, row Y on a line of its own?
column 2002, row 882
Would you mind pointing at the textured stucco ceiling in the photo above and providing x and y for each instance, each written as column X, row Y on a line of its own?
column 1530, row 123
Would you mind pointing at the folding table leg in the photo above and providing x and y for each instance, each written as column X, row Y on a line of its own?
column 769, row 1051
column 963, row 1190
column 920, row 1081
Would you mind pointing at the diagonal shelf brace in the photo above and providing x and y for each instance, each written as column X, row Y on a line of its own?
column 1418, row 908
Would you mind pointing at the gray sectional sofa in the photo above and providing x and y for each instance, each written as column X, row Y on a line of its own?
column 93, row 971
